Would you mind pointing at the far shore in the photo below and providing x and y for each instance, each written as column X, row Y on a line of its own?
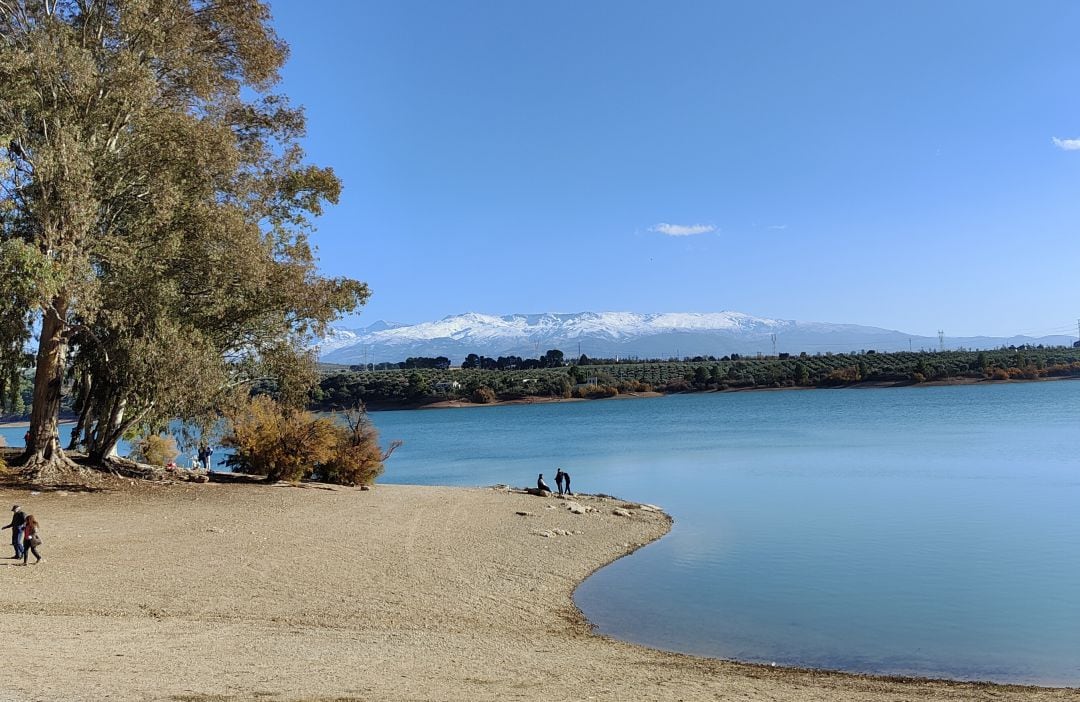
column 217, row 592
column 867, row 385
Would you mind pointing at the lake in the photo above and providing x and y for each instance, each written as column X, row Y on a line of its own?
column 930, row 531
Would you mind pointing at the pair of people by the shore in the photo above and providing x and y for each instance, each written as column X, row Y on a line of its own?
column 25, row 535
column 562, row 479
column 205, row 452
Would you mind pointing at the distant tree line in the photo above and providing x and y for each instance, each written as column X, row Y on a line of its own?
column 483, row 380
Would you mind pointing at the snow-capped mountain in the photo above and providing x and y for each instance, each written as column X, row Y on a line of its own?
column 625, row 334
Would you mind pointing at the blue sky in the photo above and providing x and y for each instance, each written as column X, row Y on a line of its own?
column 891, row 164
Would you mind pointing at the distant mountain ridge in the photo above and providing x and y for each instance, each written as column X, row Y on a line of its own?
column 627, row 334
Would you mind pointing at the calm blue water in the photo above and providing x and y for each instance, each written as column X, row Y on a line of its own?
column 926, row 531
column 15, row 436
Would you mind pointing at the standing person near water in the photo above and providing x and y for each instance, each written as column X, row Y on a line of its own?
column 18, row 519
column 31, row 539
column 562, row 479
column 205, row 452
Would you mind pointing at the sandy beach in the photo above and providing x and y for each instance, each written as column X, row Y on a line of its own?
column 199, row 592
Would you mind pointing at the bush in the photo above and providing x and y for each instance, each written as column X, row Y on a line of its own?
column 842, row 376
column 156, row 450
column 593, row 392
column 287, row 444
column 357, row 458
column 676, row 385
column 482, row 395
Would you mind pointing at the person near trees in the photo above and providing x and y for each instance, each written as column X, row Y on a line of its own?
column 31, row 539
column 205, row 452
column 18, row 519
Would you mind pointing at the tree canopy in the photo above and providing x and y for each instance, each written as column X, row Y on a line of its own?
column 155, row 208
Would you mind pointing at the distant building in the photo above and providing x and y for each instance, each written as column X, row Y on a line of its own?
column 447, row 385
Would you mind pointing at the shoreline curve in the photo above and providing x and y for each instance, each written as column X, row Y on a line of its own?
column 216, row 592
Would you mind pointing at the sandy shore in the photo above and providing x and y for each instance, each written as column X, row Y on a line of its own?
column 230, row 592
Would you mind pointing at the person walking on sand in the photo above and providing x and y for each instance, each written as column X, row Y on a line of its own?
column 31, row 539
column 18, row 519
column 541, row 485
column 562, row 479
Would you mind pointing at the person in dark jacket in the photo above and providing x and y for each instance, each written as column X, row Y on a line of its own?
column 18, row 519
column 562, row 479
column 541, row 485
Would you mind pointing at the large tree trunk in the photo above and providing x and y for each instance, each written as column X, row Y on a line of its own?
column 43, row 452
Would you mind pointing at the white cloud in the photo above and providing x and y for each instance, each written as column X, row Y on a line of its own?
column 779, row 227
column 682, row 229
column 1067, row 144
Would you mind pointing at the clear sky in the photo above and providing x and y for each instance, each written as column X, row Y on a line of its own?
column 891, row 164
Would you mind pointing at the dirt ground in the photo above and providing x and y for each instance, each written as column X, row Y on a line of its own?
column 199, row 592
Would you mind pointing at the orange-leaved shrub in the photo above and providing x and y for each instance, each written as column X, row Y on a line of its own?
column 593, row 392
column 283, row 443
column 156, row 450
column 357, row 458
column 483, row 395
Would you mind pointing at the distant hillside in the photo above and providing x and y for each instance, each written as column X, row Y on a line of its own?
column 629, row 335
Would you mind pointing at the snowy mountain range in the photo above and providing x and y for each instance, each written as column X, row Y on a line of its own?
column 627, row 335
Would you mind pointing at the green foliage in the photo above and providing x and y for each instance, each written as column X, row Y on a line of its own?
column 824, row 370
column 168, row 187
column 418, row 386
column 157, row 450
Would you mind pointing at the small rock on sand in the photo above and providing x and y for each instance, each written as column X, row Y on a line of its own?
column 620, row 512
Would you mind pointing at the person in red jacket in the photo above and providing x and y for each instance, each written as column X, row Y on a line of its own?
column 31, row 539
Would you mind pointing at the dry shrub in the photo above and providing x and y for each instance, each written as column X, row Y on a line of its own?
column 156, row 450
column 288, row 444
column 357, row 458
column 483, row 395
column 593, row 392
column 843, row 376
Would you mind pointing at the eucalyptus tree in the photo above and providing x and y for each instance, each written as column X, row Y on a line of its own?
column 159, row 183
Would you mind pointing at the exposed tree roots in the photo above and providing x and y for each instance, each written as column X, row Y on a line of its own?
column 55, row 469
